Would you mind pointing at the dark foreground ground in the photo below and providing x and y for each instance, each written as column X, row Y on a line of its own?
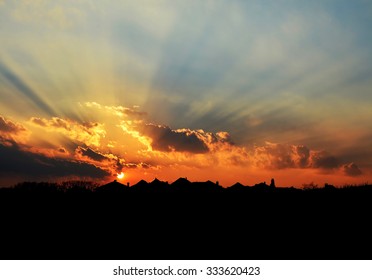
column 184, row 223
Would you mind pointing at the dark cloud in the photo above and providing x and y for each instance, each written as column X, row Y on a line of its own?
column 283, row 156
column 39, row 121
column 351, row 169
column 131, row 165
column 25, row 90
column 31, row 166
column 53, row 122
column 303, row 154
column 110, row 161
column 276, row 156
column 325, row 161
column 66, row 124
column 91, row 154
column 90, row 125
column 166, row 139
column 8, row 126
column 133, row 112
column 60, row 123
column 62, row 150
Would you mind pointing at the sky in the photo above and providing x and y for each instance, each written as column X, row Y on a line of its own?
column 221, row 90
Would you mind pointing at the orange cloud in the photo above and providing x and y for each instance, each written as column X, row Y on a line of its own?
column 89, row 133
column 7, row 126
column 58, row 153
column 280, row 156
column 147, row 150
column 90, row 154
column 128, row 141
column 109, row 162
column 198, row 148
column 12, row 131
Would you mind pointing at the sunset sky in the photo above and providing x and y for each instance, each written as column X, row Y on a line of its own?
column 234, row 91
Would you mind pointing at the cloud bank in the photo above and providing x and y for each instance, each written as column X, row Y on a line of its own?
column 87, row 154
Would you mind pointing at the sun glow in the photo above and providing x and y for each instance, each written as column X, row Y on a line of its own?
column 120, row 176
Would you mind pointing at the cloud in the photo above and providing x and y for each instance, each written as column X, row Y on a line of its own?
column 39, row 121
column 162, row 147
column 31, row 166
column 163, row 138
column 88, row 139
column 323, row 160
column 12, row 131
column 166, row 139
column 351, row 169
column 167, row 147
column 89, row 133
column 62, row 150
column 89, row 153
column 281, row 156
column 224, row 137
column 124, row 111
column 301, row 156
column 7, row 126
column 24, row 160
column 110, row 162
column 119, row 111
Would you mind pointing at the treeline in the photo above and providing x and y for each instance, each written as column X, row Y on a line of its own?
column 182, row 185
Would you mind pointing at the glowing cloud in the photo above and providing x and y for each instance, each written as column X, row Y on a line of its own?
column 12, row 131
column 279, row 156
column 89, row 133
column 9, row 126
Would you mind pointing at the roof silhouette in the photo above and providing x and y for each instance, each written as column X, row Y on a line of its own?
column 113, row 186
column 237, row 186
column 140, row 184
column 181, row 181
column 156, row 182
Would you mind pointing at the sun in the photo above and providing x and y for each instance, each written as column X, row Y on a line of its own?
column 120, row 175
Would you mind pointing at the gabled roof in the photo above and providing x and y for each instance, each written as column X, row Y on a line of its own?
column 181, row 181
column 140, row 184
column 112, row 186
column 237, row 185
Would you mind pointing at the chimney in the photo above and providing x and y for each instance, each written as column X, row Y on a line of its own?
column 272, row 184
